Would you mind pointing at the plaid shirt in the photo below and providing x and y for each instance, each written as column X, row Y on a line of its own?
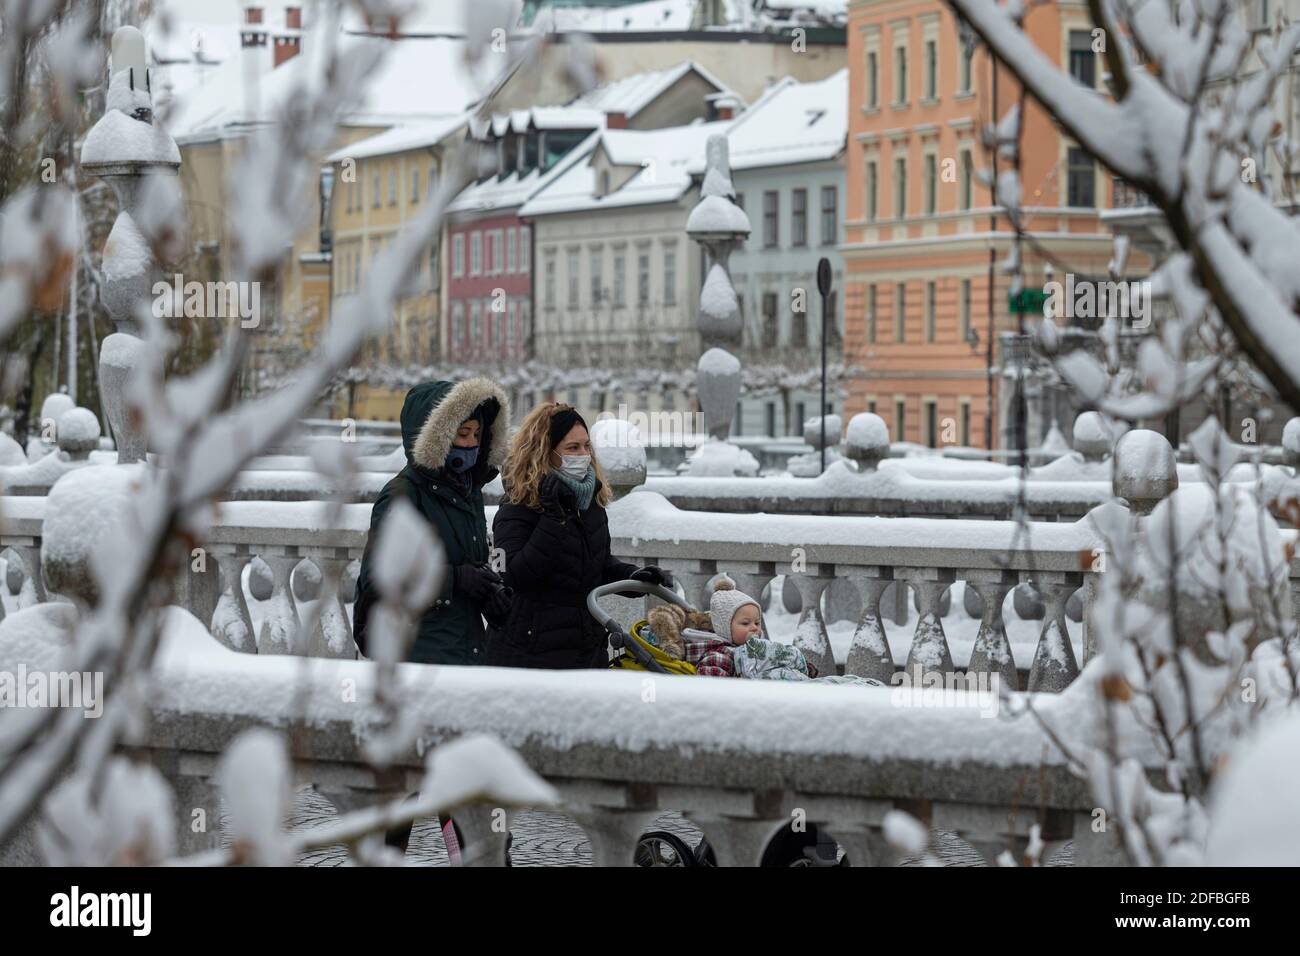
column 710, row 654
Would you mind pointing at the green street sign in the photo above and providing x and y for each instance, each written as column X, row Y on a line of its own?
column 1028, row 300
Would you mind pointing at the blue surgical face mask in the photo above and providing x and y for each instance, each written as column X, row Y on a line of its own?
column 461, row 459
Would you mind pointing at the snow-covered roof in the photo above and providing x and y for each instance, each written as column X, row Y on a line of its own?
column 632, row 94
column 641, row 17
column 514, row 190
column 416, row 79
column 679, row 16
column 791, row 123
column 628, row 96
column 665, row 156
column 401, row 139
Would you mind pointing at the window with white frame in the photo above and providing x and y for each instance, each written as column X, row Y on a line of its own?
column 457, row 325
column 643, row 278
column 900, row 187
column 900, row 75
column 548, row 281
column 931, row 69
column 498, row 253
column 967, row 179
column 458, row 255
column 670, row 276
column 830, row 215
column 620, row 280
column 476, row 253
column 525, row 248
column 596, row 258
column 931, row 293
column 965, row 310
column 872, row 191
column 512, row 250
column 573, row 278
column 415, row 184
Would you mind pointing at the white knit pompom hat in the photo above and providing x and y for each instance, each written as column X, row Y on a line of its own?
column 724, row 603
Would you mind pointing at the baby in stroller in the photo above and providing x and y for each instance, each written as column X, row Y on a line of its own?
column 728, row 641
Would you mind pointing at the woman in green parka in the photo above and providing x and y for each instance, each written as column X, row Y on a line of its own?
column 455, row 438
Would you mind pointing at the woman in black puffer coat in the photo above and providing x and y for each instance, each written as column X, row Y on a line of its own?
column 554, row 534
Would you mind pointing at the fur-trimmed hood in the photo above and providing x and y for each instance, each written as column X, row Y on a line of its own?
column 433, row 411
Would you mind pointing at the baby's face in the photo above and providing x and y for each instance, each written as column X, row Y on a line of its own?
column 745, row 624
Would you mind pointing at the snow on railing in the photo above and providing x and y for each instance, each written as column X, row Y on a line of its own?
column 859, row 568
column 740, row 759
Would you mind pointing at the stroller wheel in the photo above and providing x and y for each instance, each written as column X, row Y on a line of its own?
column 660, row 848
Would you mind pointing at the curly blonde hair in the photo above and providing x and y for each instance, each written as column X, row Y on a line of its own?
column 530, row 453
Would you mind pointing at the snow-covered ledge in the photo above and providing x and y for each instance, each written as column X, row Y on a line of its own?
column 810, row 551
column 737, row 757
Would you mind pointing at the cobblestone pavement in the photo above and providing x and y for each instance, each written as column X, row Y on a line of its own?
column 552, row 839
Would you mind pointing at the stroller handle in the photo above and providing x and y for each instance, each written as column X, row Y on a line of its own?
column 640, row 587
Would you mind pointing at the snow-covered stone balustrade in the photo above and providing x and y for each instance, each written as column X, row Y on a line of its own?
column 740, row 759
column 890, row 491
column 929, row 555
column 859, row 556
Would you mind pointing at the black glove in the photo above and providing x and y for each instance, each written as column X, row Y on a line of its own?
column 475, row 581
column 653, row 574
column 497, row 607
column 555, row 496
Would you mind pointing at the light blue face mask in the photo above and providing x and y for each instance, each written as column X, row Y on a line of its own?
column 461, row 459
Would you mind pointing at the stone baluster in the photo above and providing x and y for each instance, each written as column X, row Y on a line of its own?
column 613, row 816
column 198, row 586
column 752, row 576
column 31, row 554
column 869, row 654
column 485, row 829
column 281, row 631
column 738, row 825
column 232, row 625
column 1054, row 662
column 331, row 634
column 993, row 830
column 810, row 633
column 992, row 651
column 855, row 823
column 929, row 651
column 692, row 574
column 1091, row 584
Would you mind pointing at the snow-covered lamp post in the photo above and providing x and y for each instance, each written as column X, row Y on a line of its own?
column 140, row 162
column 719, row 225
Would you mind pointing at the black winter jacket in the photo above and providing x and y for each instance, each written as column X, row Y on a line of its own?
column 551, row 566
column 451, row 630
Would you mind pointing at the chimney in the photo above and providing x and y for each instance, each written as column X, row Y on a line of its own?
column 616, row 121
column 723, row 105
column 286, row 48
column 287, row 43
column 253, row 31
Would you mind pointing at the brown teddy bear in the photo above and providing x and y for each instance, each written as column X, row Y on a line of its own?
column 667, row 622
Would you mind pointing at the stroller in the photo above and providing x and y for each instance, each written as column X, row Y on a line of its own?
column 661, row 847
